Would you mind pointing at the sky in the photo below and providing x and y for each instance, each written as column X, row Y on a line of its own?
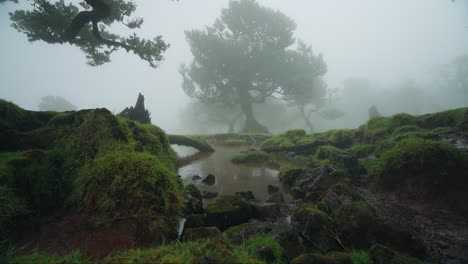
column 382, row 40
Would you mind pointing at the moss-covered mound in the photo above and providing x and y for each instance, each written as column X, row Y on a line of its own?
column 114, row 170
column 225, row 212
column 253, row 156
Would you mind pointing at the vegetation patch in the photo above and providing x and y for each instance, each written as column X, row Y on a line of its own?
column 236, row 142
column 251, row 157
column 290, row 138
column 429, row 168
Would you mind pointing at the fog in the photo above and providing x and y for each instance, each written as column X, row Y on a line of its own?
column 392, row 44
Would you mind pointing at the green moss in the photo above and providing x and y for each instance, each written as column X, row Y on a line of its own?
column 290, row 138
column 236, row 142
column 457, row 119
column 358, row 225
column 251, row 157
column 314, row 226
column 225, row 212
column 264, row 248
column 288, row 175
column 117, row 186
column 361, row 150
column 360, row 257
column 193, row 191
column 430, row 168
column 342, row 138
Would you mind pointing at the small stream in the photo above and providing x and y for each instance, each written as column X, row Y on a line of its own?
column 230, row 177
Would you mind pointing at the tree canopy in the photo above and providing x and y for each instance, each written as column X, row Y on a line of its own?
column 86, row 26
column 248, row 55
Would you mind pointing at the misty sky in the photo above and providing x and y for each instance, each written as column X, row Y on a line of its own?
column 383, row 40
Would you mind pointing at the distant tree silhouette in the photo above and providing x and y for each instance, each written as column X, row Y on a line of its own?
column 137, row 113
column 56, row 103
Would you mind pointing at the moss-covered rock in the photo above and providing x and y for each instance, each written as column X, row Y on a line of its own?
column 192, row 234
column 131, row 186
column 314, row 182
column 288, row 175
column 113, row 169
column 338, row 195
column 236, row 142
column 225, row 212
column 193, row 200
column 195, row 221
column 290, row 138
column 314, row 226
column 329, row 258
column 358, row 225
column 427, row 169
column 251, row 157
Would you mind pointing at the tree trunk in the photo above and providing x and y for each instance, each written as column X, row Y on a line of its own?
column 306, row 119
column 251, row 124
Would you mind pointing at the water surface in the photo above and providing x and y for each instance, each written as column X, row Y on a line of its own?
column 230, row 177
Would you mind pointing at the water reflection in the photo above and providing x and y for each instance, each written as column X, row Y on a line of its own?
column 230, row 177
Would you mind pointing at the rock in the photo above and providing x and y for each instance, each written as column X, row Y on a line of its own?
column 209, row 180
column 209, row 195
column 329, row 258
column 193, row 234
column 266, row 210
column 275, row 198
column 314, row 226
column 196, row 178
column 315, row 182
column 288, row 176
column 272, row 189
column 195, row 220
column 248, row 195
column 193, row 200
column 228, row 211
column 239, row 234
column 338, row 195
column 291, row 244
column 358, row 225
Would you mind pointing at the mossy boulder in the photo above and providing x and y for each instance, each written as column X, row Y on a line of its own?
column 193, row 200
column 358, row 225
column 314, row 226
column 253, row 156
column 114, row 170
column 195, row 221
column 201, row 233
column 316, row 181
column 338, row 195
column 289, row 175
column 426, row 169
column 329, row 258
column 131, row 186
column 340, row 159
column 225, row 212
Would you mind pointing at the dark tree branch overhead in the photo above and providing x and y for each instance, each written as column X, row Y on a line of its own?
column 57, row 22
